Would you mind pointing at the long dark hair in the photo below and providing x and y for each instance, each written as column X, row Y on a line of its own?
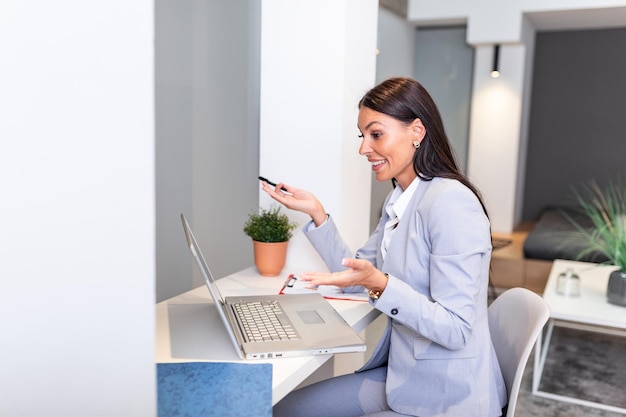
column 405, row 99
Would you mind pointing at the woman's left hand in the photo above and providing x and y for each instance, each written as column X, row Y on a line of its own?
column 359, row 272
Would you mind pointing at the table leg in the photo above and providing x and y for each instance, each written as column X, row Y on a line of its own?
column 541, row 350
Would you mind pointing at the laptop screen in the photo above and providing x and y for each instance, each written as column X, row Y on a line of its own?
column 197, row 253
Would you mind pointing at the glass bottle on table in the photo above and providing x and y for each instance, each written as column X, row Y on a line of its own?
column 568, row 283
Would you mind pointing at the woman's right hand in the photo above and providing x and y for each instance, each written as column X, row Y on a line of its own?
column 296, row 199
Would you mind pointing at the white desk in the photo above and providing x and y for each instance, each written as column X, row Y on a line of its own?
column 188, row 329
column 590, row 311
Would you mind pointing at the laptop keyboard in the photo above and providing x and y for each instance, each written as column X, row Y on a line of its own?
column 264, row 321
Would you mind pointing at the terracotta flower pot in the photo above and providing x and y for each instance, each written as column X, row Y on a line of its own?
column 270, row 258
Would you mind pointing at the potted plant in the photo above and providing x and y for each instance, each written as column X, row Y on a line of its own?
column 270, row 231
column 606, row 210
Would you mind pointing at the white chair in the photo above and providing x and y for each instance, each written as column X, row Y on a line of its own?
column 515, row 319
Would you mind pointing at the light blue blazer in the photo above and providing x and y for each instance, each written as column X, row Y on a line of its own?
column 437, row 344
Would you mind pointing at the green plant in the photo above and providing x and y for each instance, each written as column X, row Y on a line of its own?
column 269, row 225
column 606, row 209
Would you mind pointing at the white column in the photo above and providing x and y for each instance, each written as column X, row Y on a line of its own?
column 77, row 269
column 498, row 128
column 317, row 60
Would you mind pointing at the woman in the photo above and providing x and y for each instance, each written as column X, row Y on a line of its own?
column 426, row 267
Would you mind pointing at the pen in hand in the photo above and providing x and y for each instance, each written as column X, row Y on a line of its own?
column 273, row 184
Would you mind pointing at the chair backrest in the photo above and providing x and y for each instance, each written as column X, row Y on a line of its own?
column 515, row 319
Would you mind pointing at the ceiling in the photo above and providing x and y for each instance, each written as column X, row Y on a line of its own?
column 579, row 19
column 604, row 18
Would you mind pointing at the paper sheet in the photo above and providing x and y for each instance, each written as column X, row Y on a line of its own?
column 295, row 286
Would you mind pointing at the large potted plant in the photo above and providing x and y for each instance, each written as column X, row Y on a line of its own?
column 606, row 209
column 270, row 231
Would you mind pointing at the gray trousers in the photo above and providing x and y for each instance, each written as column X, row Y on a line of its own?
column 352, row 395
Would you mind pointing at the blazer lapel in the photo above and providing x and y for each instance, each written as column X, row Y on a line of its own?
column 407, row 223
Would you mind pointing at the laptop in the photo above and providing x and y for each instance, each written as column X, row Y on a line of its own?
column 307, row 323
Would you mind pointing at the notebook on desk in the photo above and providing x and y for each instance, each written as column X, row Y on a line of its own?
column 293, row 324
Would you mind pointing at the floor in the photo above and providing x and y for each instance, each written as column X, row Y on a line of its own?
column 530, row 405
column 509, row 267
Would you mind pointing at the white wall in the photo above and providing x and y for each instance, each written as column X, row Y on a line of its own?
column 77, row 217
column 311, row 82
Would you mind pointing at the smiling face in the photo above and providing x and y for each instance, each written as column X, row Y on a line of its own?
column 388, row 145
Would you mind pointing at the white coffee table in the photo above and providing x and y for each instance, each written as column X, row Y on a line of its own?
column 590, row 312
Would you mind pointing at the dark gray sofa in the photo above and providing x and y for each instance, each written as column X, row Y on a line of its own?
column 555, row 237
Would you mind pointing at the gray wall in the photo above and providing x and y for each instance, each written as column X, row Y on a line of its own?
column 207, row 107
column 444, row 64
column 577, row 125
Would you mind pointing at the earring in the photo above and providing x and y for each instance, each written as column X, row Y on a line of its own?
column 416, row 144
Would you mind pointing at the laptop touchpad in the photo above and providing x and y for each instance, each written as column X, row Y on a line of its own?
column 310, row 317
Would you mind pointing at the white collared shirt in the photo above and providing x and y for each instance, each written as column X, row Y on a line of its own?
column 395, row 208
